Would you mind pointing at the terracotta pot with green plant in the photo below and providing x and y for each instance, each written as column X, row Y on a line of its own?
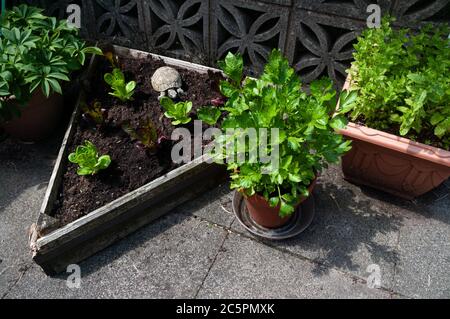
column 401, row 129
column 38, row 53
column 276, row 138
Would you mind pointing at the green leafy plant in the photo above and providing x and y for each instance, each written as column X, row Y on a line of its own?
column 88, row 159
column 146, row 134
column 209, row 115
column 93, row 113
column 178, row 112
column 36, row 51
column 403, row 81
column 306, row 140
column 121, row 89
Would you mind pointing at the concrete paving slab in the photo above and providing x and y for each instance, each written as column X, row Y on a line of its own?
column 24, row 173
column 349, row 231
column 168, row 259
column 423, row 270
column 214, row 206
column 354, row 227
column 248, row 269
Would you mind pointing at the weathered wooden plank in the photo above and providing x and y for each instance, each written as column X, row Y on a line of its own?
column 55, row 249
column 76, row 246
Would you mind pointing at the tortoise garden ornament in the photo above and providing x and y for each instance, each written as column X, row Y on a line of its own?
column 167, row 81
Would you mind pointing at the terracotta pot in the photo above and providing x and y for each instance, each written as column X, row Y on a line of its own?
column 38, row 119
column 264, row 215
column 393, row 164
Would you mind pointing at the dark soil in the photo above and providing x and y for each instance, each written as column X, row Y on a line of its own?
column 132, row 165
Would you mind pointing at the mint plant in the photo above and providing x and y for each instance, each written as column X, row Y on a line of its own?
column 307, row 140
column 37, row 52
column 88, row 159
column 403, row 81
column 209, row 115
column 178, row 112
column 121, row 89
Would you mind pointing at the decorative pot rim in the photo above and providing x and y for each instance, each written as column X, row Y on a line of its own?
column 394, row 142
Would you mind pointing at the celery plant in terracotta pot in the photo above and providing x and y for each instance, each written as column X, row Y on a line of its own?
column 401, row 116
column 276, row 138
column 38, row 53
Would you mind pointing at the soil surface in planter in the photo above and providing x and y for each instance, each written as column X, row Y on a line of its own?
column 132, row 166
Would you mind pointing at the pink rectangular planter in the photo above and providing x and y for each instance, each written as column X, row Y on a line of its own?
column 391, row 163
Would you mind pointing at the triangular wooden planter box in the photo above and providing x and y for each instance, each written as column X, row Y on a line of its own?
column 54, row 249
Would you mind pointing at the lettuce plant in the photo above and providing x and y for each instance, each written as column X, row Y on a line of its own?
column 178, row 112
column 121, row 89
column 88, row 159
column 146, row 134
column 306, row 141
column 93, row 113
column 37, row 52
column 403, row 81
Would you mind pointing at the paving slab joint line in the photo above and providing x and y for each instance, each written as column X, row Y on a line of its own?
column 212, row 264
column 397, row 248
column 16, row 282
column 352, row 276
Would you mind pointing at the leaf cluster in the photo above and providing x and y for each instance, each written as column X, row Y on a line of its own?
column 121, row 89
column 403, row 80
column 307, row 140
column 36, row 51
column 88, row 159
column 178, row 112
column 146, row 134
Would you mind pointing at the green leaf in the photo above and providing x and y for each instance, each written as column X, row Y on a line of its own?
column 274, row 201
column 436, row 119
column 347, row 101
column 93, row 50
column 286, row 209
column 55, row 85
column 295, row 178
column 209, row 115
column 227, row 89
column 233, row 66
column 443, row 128
column 339, row 122
column 103, row 162
column 130, row 86
column 85, row 171
column 46, row 88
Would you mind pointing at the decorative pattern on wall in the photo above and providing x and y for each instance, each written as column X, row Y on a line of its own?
column 178, row 28
column 319, row 46
column 251, row 30
column 121, row 21
column 316, row 35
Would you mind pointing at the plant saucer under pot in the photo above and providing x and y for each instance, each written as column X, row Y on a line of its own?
column 269, row 217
